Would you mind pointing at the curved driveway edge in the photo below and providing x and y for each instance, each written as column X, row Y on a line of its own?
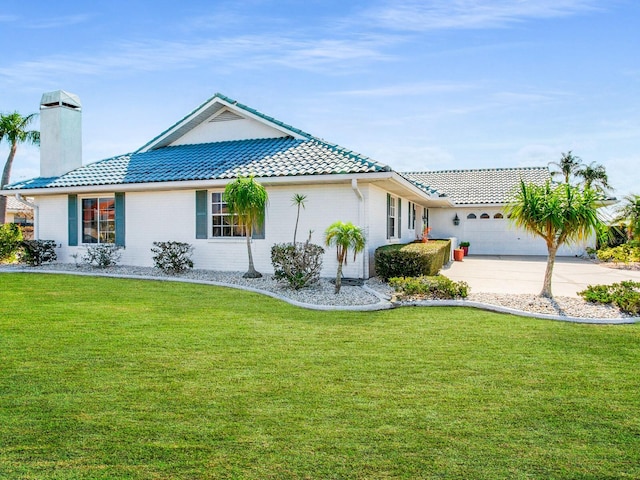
column 383, row 303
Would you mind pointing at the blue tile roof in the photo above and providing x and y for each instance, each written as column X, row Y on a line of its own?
column 271, row 157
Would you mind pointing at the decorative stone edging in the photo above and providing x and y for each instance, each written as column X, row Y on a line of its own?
column 384, row 302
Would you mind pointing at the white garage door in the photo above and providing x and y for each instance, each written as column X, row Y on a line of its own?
column 497, row 236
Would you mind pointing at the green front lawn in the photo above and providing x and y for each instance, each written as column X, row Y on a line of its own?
column 107, row 378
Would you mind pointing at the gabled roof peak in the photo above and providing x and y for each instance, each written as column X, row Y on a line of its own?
column 209, row 108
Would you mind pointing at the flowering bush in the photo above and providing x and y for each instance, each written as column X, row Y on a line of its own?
column 102, row 255
column 172, row 257
column 298, row 264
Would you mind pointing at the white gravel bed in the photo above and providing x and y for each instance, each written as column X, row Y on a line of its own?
column 374, row 291
column 561, row 306
column 320, row 294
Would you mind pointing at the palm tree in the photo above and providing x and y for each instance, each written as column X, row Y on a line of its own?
column 298, row 200
column 629, row 212
column 559, row 214
column 345, row 236
column 14, row 127
column 247, row 199
column 568, row 165
column 594, row 176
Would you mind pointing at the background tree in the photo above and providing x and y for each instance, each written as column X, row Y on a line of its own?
column 629, row 212
column 299, row 201
column 14, row 129
column 568, row 166
column 559, row 214
column 345, row 237
column 594, row 176
column 247, row 199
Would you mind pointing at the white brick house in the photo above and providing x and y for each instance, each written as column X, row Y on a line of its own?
column 169, row 189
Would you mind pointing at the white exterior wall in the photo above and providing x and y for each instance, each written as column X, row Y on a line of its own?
column 51, row 222
column 242, row 129
column 492, row 236
column 377, row 231
column 170, row 216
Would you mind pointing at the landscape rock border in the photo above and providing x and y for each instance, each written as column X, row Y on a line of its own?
column 377, row 300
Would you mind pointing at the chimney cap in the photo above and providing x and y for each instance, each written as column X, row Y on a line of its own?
column 60, row 98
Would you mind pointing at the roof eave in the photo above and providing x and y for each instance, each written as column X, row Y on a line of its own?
column 193, row 184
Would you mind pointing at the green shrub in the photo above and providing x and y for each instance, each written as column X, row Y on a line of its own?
column 37, row 252
column 10, row 238
column 172, row 257
column 628, row 252
column 434, row 287
column 102, row 255
column 299, row 265
column 412, row 259
column 624, row 295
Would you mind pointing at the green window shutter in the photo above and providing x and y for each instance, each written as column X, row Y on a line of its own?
column 388, row 216
column 201, row 214
column 120, row 219
column 399, row 218
column 73, row 220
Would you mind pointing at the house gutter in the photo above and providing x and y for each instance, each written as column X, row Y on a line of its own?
column 36, row 216
column 365, row 257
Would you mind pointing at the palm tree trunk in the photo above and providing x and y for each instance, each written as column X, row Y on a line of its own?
column 339, row 276
column 6, row 175
column 551, row 260
column 252, row 272
column 295, row 230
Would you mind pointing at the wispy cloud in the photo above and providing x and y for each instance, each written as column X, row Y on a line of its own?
column 56, row 22
column 8, row 18
column 407, row 89
column 420, row 15
column 328, row 55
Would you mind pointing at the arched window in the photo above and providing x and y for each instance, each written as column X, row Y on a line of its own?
column 471, row 216
column 498, row 215
column 485, row 215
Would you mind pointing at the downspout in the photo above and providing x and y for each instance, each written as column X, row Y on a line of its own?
column 365, row 256
column 36, row 216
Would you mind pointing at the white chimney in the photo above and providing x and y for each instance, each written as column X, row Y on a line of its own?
column 60, row 133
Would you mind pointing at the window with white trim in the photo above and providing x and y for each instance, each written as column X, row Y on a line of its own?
column 98, row 220
column 223, row 223
column 226, row 225
column 391, row 217
column 411, row 215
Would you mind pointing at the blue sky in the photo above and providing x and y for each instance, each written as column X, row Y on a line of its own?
column 419, row 85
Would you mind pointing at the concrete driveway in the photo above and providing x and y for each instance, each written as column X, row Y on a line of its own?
column 525, row 274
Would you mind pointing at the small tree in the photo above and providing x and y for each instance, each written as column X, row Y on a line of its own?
column 14, row 128
column 299, row 201
column 247, row 199
column 629, row 212
column 568, row 166
column 345, row 237
column 594, row 176
column 559, row 214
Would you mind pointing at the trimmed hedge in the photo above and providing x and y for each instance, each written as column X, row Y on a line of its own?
column 437, row 288
column 412, row 259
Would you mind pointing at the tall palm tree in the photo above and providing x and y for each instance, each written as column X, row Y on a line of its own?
column 559, row 214
column 345, row 236
column 14, row 128
column 247, row 199
column 568, row 165
column 629, row 212
column 594, row 176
